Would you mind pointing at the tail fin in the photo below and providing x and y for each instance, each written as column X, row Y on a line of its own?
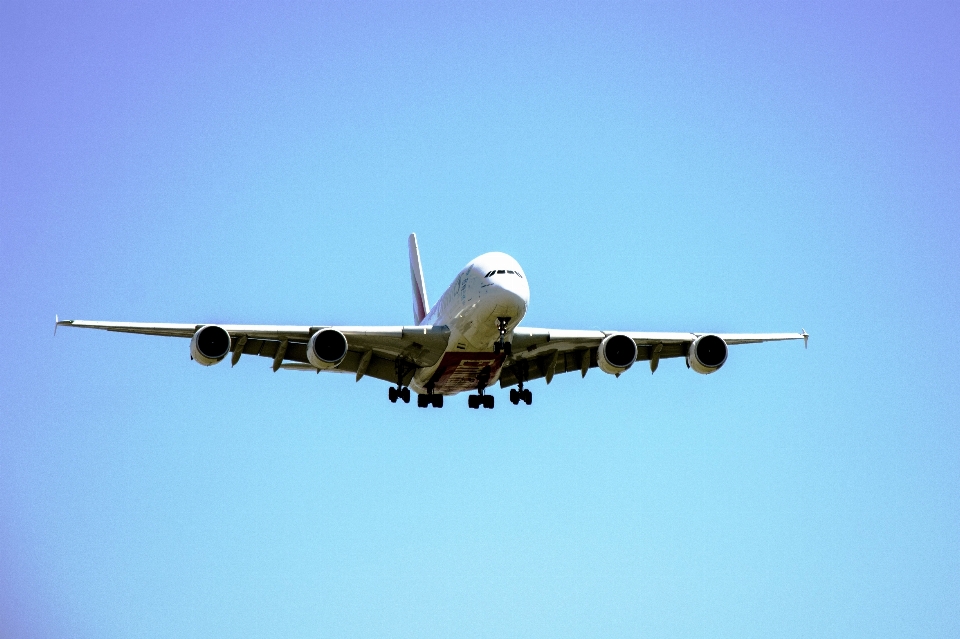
column 421, row 306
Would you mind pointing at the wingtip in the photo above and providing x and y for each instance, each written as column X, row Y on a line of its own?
column 806, row 337
column 59, row 322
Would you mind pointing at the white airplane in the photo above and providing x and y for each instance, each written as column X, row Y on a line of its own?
column 468, row 341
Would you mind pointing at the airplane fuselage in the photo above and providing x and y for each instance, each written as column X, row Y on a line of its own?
column 490, row 293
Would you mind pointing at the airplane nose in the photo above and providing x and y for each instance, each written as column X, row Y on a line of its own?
column 512, row 293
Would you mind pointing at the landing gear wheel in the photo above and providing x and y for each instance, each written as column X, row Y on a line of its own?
column 438, row 401
column 496, row 348
column 393, row 394
column 423, row 401
column 514, row 396
column 526, row 396
column 507, row 349
column 405, row 395
column 473, row 401
column 487, row 401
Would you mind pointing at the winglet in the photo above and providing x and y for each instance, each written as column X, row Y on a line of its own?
column 59, row 322
column 805, row 336
column 421, row 306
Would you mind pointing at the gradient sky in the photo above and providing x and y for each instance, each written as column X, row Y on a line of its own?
column 665, row 166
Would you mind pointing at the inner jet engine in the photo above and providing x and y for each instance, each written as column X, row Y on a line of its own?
column 209, row 345
column 326, row 348
column 707, row 354
column 616, row 354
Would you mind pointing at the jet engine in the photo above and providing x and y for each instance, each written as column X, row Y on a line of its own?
column 327, row 348
column 209, row 345
column 707, row 354
column 616, row 354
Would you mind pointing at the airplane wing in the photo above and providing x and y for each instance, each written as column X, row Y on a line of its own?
column 541, row 352
column 384, row 352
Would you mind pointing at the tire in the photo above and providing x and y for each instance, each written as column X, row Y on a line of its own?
column 514, row 396
column 488, row 401
column 527, row 396
column 472, row 401
column 438, row 401
column 508, row 349
column 393, row 394
column 423, row 401
column 405, row 395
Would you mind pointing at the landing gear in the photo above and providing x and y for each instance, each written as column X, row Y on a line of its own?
column 501, row 345
column 430, row 398
column 476, row 401
column 480, row 399
column 399, row 393
column 521, row 394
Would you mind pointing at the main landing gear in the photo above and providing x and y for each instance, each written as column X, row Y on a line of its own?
column 399, row 393
column 521, row 394
column 480, row 399
column 430, row 399
column 501, row 345
column 476, row 401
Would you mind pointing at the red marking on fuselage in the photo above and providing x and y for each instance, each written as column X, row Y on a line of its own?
column 461, row 371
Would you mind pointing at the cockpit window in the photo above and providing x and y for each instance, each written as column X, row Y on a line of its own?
column 504, row 272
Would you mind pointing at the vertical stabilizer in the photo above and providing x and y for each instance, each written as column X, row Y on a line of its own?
column 421, row 306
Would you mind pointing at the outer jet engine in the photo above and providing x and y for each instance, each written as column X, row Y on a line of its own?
column 616, row 354
column 209, row 345
column 707, row 354
column 326, row 348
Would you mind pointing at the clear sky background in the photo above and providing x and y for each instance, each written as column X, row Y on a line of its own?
column 665, row 166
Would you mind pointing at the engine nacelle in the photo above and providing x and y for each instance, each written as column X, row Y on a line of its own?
column 326, row 348
column 616, row 354
column 209, row 345
column 707, row 354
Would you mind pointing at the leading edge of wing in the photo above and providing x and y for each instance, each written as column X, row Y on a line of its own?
column 187, row 330
column 432, row 334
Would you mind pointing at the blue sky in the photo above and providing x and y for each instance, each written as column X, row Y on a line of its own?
column 665, row 166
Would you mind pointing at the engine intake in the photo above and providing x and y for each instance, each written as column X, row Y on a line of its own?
column 616, row 354
column 327, row 348
column 707, row 354
column 209, row 345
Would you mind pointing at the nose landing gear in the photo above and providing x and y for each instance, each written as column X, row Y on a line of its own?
column 500, row 345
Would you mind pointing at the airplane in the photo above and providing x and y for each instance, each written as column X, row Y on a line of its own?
column 469, row 340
